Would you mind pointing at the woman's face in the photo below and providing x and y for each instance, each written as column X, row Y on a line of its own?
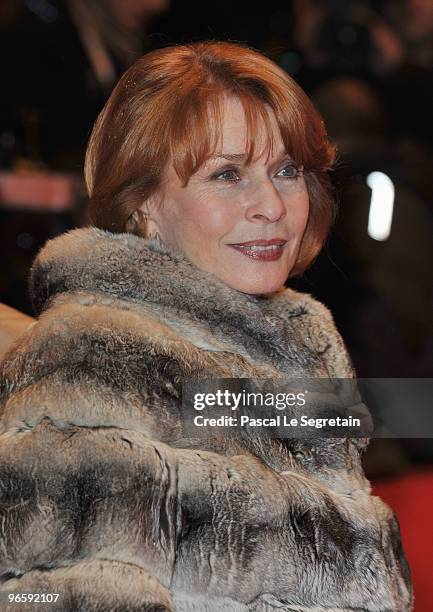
column 227, row 203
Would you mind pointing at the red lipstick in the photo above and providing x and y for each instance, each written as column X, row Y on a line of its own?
column 260, row 249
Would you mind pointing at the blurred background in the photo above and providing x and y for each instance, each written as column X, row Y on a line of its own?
column 367, row 65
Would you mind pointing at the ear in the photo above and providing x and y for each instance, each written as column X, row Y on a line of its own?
column 147, row 216
column 137, row 223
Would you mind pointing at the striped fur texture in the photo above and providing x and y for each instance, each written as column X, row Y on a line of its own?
column 104, row 502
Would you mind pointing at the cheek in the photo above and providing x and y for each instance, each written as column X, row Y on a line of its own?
column 304, row 210
column 214, row 218
column 298, row 208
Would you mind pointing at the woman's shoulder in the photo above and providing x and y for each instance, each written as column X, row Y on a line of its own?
column 292, row 305
column 291, row 302
column 315, row 322
column 82, row 258
column 93, row 359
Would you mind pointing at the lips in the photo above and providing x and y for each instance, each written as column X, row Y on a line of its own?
column 261, row 250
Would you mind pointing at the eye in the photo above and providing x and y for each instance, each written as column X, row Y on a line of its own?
column 290, row 171
column 230, row 175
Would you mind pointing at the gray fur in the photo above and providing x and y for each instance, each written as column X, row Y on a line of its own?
column 103, row 501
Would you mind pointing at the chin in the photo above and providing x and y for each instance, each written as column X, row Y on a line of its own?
column 257, row 278
column 258, row 286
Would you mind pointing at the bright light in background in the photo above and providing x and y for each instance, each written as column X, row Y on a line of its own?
column 381, row 205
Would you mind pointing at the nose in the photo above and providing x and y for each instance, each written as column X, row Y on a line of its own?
column 265, row 203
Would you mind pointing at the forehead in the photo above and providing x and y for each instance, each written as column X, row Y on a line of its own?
column 225, row 123
column 235, row 133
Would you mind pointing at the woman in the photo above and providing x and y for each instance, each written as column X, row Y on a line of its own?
column 207, row 174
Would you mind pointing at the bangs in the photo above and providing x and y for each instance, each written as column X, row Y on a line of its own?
column 194, row 134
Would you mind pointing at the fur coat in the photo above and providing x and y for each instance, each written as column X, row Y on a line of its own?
column 104, row 503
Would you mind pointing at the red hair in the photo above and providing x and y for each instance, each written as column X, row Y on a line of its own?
column 159, row 111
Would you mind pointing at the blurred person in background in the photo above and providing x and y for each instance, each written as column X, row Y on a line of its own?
column 334, row 37
column 411, row 97
column 389, row 281
column 413, row 20
column 363, row 39
column 61, row 59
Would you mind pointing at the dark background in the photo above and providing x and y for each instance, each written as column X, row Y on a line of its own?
column 368, row 66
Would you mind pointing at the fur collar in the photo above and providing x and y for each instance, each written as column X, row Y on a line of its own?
column 132, row 267
column 142, row 271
